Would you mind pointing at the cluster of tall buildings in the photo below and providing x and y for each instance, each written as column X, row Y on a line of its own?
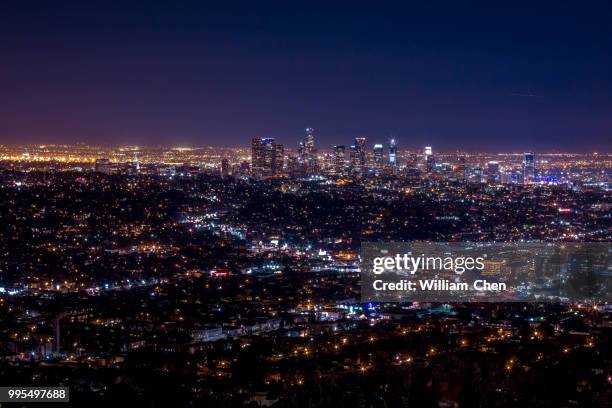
column 357, row 161
column 271, row 159
column 268, row 159
column 493, row 173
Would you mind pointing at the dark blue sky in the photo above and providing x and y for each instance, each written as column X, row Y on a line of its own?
column 487, row 76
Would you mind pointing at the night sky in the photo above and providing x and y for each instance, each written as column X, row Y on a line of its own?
column 489, row 76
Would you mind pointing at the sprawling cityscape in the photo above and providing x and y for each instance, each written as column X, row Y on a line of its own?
column 229, row 277
column 306, row 204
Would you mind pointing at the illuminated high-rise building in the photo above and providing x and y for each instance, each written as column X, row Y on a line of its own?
column 267, row 157
column 430, row 161
column 358, row 156
column 339, row 159
column 309, row 142
column 528, row 168
column 257, row 155
column 307, row 153
column 379, row 158
column 279, row 159
column 354, row 166
column 393, row 153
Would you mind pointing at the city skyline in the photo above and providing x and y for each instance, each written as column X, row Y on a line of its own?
column 290, row 144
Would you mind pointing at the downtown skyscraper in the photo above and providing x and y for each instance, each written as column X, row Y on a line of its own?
column 267, row 157
column 528, row 167
column 358, row 156
column 393, row 153
column 310, row 152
